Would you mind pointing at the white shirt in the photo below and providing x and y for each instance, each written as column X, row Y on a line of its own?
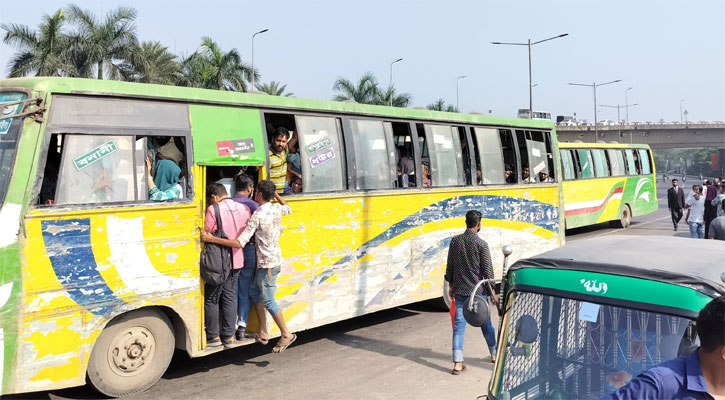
column 698, row 208
column 267, row 223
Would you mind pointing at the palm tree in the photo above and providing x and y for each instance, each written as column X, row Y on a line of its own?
column 440, row 105
column 366, row 90
column 152, row 63
column 103, row 43
column 40, row 52
column 212, row 68
column 274, row 89
column 398, row 100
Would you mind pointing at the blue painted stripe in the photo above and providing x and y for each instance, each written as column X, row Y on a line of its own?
column 503, row 208
column 68, row 244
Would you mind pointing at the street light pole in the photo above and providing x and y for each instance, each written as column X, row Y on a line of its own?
column 253, row 71
column 391, row 79
column 626, row 103
column 681, row 109
column 594, row 85
column 529, row 44
column 458, row 79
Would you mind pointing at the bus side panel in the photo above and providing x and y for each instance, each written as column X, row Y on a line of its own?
column 350, row 255
column 83, row 268
column 593, row 201
column 640, row 194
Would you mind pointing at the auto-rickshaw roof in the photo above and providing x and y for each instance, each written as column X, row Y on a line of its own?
column 682, row 261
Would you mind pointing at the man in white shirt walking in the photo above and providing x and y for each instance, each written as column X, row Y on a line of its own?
column 696, row 213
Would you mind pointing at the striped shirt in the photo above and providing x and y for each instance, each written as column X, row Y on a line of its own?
column 278, row 169
column 171, row 193
column 469, row 261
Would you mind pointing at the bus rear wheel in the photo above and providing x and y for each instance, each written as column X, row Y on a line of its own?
column 131, row 353
column 625, row 220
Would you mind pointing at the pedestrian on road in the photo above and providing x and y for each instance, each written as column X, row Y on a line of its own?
column 717, row 227
column 684, row 177
column 469, row 261
column 696, row 204
column 710, row 209
column 265, row 224
column 234, row 218
column 675, row 202
column 718, row 201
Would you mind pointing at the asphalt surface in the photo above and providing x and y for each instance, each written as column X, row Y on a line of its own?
column 395, row 354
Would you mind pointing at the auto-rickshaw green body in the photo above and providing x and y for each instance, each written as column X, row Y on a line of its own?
column 582, row 320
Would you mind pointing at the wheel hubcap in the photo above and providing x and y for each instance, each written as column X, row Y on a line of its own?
column 131, row 351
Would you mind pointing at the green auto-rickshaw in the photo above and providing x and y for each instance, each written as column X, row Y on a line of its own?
column 581, row 321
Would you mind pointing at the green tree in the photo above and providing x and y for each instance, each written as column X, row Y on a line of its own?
column 103, row 43
column 365, row 91
column 41, row 52
column 212, row 68
column 273, row 88
column 152, row 63
column 398, row 100
column 440, row 105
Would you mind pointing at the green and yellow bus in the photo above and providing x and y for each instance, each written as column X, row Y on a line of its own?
column 607, row 182
column 99, row 284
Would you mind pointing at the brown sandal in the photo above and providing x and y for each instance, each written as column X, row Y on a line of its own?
column 280, row 347
column 459, row 371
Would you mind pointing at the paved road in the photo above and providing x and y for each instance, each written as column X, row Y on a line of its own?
column 396, row 354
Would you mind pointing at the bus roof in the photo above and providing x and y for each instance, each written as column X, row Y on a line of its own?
column 681, row 261
column 130, row 89
column 575, row 145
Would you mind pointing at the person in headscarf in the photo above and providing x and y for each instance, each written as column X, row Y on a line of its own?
column 165, row 186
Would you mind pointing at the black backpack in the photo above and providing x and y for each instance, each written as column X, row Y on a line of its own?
column 216, row 260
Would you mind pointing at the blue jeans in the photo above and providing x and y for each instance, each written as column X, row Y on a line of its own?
column 696, row 230
column 265, row 285
column 246, row 276
column 459, row 329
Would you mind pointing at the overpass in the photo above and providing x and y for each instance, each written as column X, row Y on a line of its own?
column 656, row 135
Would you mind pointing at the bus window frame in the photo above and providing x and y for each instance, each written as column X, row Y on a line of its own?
column 346, row 176
column 189, row 194
column 456, row 149
column 390, row 147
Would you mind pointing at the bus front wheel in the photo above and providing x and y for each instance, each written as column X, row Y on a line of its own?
column 625, row 220
column 131, row 353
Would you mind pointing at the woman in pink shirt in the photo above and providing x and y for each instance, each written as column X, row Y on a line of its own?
column 234, row 217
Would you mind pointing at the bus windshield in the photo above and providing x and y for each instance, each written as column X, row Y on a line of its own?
column 556, row 347
column 8, row 138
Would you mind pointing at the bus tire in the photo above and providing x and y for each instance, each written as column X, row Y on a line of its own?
column 625, row 220
column 131, row 353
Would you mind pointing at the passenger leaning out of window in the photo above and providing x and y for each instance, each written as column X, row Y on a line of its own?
column 165, row 185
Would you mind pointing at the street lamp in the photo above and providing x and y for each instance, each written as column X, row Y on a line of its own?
column 626, row 103
column 681, row 109
column 529, row 44
column 458, row 79
column 391, row 80
column 253, row 71
column 594, row 86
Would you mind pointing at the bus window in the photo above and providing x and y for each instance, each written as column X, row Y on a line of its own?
column 445, row 155
column 540, row 156
column 96, row 169
column 374, row 161
column 601, row 169
column 524, row 157
column 631, row 166
column 616, row 161
column 322, row 154
column 585, row 164
column 509, row 154
column 567, row 164
column 488, row 145
column 532, row 150
column 645, row 162
column 550, row 157
column 466, row 155
column 405, row 155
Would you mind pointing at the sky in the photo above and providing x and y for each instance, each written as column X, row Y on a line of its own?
column 666, row 50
